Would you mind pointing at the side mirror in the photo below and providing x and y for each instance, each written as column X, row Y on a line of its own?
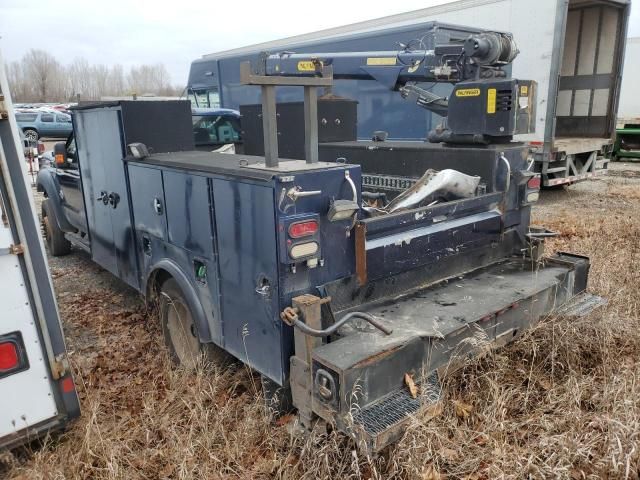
column 60, row 154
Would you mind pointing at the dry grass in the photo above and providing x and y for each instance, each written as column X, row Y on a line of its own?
column 561, row 402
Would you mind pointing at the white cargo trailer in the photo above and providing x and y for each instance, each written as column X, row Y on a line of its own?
column 572, row 48
column 37, row 392
column 629, row 97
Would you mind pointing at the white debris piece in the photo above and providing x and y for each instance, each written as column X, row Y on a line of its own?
column 433, row 185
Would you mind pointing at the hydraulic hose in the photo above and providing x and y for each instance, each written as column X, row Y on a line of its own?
column 299, row 324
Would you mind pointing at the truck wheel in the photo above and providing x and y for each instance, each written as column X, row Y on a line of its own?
column 180, row 331
column 31, row 134
column 58, row 245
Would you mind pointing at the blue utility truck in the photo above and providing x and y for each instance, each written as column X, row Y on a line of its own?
column 334, row 289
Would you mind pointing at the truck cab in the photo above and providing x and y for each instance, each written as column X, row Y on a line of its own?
column 63, row 217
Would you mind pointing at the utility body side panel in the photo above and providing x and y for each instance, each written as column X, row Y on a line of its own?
column 246, row 239
column 226, row 232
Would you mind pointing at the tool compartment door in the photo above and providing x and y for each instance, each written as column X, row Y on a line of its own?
column 100, row 150
column 27, row 397
column 248, row 269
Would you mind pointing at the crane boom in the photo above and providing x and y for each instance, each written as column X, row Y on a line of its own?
column 486, row 106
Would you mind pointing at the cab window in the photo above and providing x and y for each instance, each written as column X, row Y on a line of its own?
column 205, row 98
column 216, row 129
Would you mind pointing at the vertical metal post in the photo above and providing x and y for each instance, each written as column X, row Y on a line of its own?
column 270, row 125
column 301, row 380
column 311, row 124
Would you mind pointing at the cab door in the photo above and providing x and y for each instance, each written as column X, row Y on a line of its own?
column 69, row 180
column 104, row 187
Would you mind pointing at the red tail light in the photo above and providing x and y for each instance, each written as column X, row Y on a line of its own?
column 67, row 385
column 534, row 183
column 9, row 358
column 303, row 229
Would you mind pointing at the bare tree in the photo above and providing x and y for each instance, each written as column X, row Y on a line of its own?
column 39, row 77
column 79, row 79
column 17, row 81
column 42, row 70
column 116, row 81
column 149, row 79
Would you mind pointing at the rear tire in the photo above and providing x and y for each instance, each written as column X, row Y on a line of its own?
column 31, row 135
column 180, row 331
column 57, row 243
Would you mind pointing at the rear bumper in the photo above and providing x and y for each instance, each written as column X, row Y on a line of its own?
column 552, row 182
column 434, row 329
column 35, row 432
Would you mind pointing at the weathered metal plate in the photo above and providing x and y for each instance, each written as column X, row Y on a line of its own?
column 581, row 305
column 442, row 309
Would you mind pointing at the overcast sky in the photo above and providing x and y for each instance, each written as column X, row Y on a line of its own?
column 132, row 32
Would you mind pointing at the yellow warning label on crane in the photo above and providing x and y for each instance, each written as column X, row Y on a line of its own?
column 468, row 92
column 491, row 100
column 524, row 90
column 306, row 66
column 381, row 61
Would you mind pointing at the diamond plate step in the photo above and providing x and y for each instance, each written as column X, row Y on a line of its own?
column 395, row 408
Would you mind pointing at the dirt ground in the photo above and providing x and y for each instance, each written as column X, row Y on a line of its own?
column 561, row 402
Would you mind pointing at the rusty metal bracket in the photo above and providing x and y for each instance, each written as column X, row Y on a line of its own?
column 16, row 249
column 289, row 316
column 361, row 253
column 59, row 366
column 301, row 380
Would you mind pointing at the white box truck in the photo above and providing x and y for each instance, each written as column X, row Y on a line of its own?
column 37, row 391
column 573, row 48
column 628, row 125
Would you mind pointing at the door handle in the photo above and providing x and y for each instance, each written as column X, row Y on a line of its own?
column 104, row 197
column 113, row 199
column 157, row 206
column 296, row 192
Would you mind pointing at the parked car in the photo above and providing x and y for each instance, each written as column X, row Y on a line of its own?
column 38, row 124
column 214, row 127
